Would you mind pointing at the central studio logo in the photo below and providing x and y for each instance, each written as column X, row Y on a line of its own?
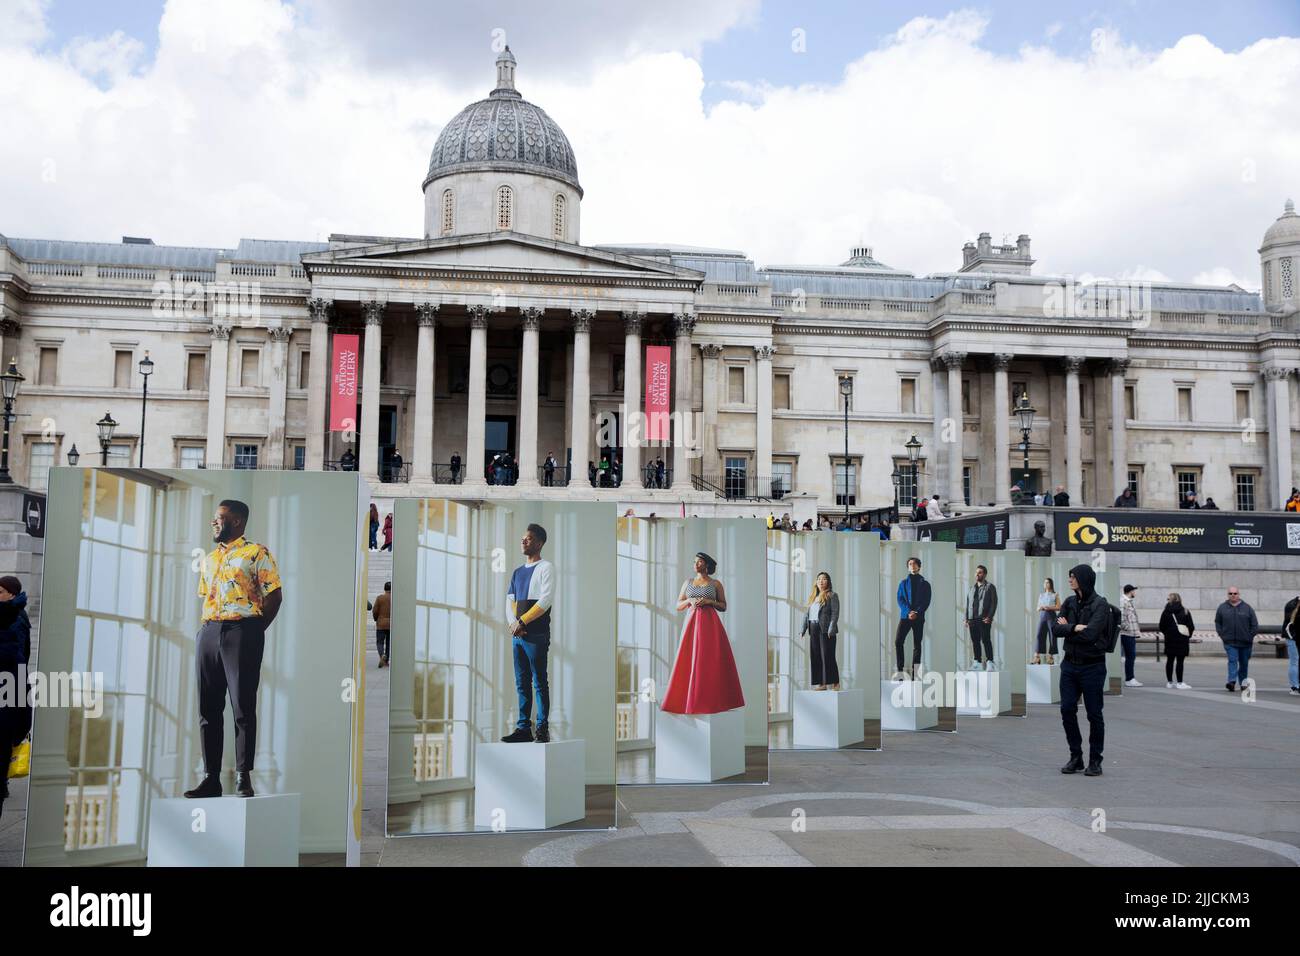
column 1088, row 531
column 1244, row 539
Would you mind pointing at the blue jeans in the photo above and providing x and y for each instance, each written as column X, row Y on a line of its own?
column 530, row 667
column 1087, row 681
column 1293, row 665
column 1238, row 661
column 1130, row 644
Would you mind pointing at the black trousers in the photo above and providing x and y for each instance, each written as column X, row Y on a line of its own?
column 1087, row 681
column 821, row 649
column 917, row 627
column 1045, row 621
column 229, row 660
column 381, row 642
column 981, row 633
column 1174, row 663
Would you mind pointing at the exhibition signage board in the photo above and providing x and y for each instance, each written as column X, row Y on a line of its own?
column 1198, row 531
column 343, row 383
column 988, row 532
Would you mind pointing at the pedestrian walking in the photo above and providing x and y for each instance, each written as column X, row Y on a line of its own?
column 1129, row 632
column 382, row 614
column 374, row 527
column 388, row 532
column 1176, row 627
column 1084, row 624
column 1291, row 631
column 1237, row 625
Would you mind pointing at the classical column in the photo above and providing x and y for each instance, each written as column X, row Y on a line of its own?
column 317, row 382
column 368, row 436
column 710, row 354
column 763, row 432
column 683, row 325
column 1279, row 419
column 476, row 425
column 427, row 313
column 633, row 425
column 279, row 387
column 1118, row 428
column 218, row 368
column 580, row 412
column 956, row 455
column 9, row 329
column 936, row 461
column 532, row 324
column 1073, row 432
column 998, row 422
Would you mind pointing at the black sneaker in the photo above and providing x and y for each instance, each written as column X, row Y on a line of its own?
column 1230, row 686
column 522, row 735
column 543, row 734
column 244, row 784
column 1074, row 766
column 209, row 786
column 1094, row 769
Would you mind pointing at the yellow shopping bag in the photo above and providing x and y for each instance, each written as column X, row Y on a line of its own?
column 20, row 762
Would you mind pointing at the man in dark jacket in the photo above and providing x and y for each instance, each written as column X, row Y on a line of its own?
column 1237, row 626
column 1085, row 626
column 1062, row 497
column 981, row 605
column 1126, row 499
column 15, row 654
column 913, row 601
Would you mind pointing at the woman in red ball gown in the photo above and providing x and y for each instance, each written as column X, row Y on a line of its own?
column 704, row 678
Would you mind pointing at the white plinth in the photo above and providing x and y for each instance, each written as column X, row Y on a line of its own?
column 225, row 831
column 700, row 748
column 902, row 707
column 828, row 719
column 1043, row 684
column 983, row 693
column 530, row 786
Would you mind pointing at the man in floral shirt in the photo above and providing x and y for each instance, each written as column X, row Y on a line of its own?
column 241, row 593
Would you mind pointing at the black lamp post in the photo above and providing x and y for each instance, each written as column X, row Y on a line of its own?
column 913, row 446
column 1025, row 412
column 846, row 389
column 897, row 478
column 74, row 456
column 10, row 381
column 146, row 369
column 105, row 426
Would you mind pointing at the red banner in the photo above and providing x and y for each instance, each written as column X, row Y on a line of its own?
column 343, row 383
column 658, row 388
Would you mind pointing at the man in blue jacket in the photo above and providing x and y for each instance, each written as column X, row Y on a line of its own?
column 913, row 601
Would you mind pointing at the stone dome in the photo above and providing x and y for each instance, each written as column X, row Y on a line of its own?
column 1285, row 230
column 504, row 132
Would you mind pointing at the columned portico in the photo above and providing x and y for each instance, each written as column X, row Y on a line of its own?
column 1073, row 431
column 317, row 382
column 710, row 353
column 633, row 427
column 1277, row 378
column 1118, row 428
column 476, row 396
column 581, row 410
column 427, row 313
column 956, row 455
column 279, row 368
column 683, row 326
column 998, row 422
column 763, row 437
column 532, row 323
column 218, row 369
column 369, row 432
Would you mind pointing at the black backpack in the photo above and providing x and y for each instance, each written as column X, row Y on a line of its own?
column 1112, row 635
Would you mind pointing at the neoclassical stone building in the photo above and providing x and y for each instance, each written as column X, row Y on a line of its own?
column 498, row 331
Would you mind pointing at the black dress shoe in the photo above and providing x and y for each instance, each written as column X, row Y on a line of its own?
column 1074, row 766
column 1094, row 769
column 543, row 735
column 1230, row 686
column 521, row 736
column 244, row 784
column 209, row 786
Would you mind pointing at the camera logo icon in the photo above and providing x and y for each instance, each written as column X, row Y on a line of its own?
column 1088, row 531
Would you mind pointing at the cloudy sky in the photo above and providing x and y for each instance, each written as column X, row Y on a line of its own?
column 1127, row 137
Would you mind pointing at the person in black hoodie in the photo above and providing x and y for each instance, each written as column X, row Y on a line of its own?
column 1084, row 625
column 15, row 651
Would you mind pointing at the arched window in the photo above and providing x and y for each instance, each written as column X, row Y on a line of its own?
column 505, row 207
column 448, row 212
column 558, row 226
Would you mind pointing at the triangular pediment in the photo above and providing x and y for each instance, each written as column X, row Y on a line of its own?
column 499, row 251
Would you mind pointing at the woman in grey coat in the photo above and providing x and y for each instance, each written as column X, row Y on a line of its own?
column 822, row 625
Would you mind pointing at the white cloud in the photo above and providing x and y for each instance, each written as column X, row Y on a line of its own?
column 1219, row 275
column 22, row 22
column 255, row 119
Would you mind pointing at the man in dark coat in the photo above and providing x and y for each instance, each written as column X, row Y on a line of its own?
column 1084, row 624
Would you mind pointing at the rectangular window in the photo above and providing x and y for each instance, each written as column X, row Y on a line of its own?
column 906, row 484
column 966, row 483
column 1018, row 389
column 735, row 477
column 304, row 368
column 781, row 390
column 122, row 368
column 193, row 456
column 907, row 396
column 47, row 372
column 782, row 478
column 1184, row 403
column 248, row 360
column 196, row 371
column 40, row 461
column 846, row 484
column 119, row 455
column 245, row 456
column 1085, row 398
column 735, row 385
column 1135, row 482
column 1245, row 486
column 299, row 457
column 1130, row 402
column 634, row 708
column 1243, row 405
column 1188, row 483
column 965, row 396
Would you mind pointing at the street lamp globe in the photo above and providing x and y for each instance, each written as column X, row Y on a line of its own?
column 106, row 426
column 74, row 456
column 913, row 447
column 146, row 365
column 10, row 381
column 1025, row 412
